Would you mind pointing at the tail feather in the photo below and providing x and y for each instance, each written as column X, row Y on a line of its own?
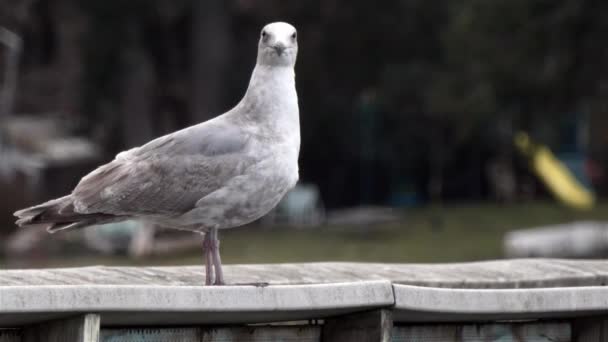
column 59, row 214
column 42, row 213
column 55, row 227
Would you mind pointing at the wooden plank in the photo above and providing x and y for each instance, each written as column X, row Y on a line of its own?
column 228, row 334
column 83, row 328
column 527, row 273
column 373, row 326
column 427, row 304
column 129, row 306
column 520, row 332
column 591, row 329
column 10, row 335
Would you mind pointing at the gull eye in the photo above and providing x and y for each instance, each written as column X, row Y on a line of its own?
column 264, row 34
column 293, row 36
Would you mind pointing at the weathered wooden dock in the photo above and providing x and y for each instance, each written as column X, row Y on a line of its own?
column 511, row 300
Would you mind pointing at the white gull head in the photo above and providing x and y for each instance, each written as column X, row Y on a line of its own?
column 278, row 45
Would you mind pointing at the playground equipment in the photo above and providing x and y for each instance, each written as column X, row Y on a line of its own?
column 554, row 174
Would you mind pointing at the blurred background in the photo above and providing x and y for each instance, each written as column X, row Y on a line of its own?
column 431, row 130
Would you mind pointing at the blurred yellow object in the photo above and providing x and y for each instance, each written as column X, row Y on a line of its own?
column 554, row 174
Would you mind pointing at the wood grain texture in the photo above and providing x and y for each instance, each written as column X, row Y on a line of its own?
column 83, row 328
column 10, row 335
column 373, row 326
column 591, row 329
column 523, row 273
column 519, row 332
column 232, row 334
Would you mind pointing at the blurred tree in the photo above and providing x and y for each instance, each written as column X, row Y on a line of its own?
column 452, row 80
column 138, row 93
column 211, row 57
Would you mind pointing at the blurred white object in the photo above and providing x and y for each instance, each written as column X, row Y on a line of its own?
column 23, row 242
column 573, row 240
column 32, row 143
column 13, row 162
column 112, row 238
column 142, row 241
column 67, row 149
column 53, row 142
column 302, row 206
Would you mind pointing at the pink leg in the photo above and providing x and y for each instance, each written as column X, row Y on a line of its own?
column 208, row 255
column 217, row 260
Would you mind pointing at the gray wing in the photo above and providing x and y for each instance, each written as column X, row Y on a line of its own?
column 207, row 139
column 168, row 175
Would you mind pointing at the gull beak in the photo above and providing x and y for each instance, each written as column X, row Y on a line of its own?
column 279, row 48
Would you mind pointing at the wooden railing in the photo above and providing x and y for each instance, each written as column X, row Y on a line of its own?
column 518, row 300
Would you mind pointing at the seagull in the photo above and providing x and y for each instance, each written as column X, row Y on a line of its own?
column 222, row 173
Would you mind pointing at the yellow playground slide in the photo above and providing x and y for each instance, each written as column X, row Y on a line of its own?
column 554, row 174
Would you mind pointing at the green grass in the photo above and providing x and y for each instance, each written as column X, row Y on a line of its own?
column 433, row 234
column 446, row 234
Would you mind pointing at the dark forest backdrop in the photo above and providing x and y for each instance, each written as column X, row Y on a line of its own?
column 399, row 99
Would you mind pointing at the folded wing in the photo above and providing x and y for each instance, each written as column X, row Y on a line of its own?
column 166, row 176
